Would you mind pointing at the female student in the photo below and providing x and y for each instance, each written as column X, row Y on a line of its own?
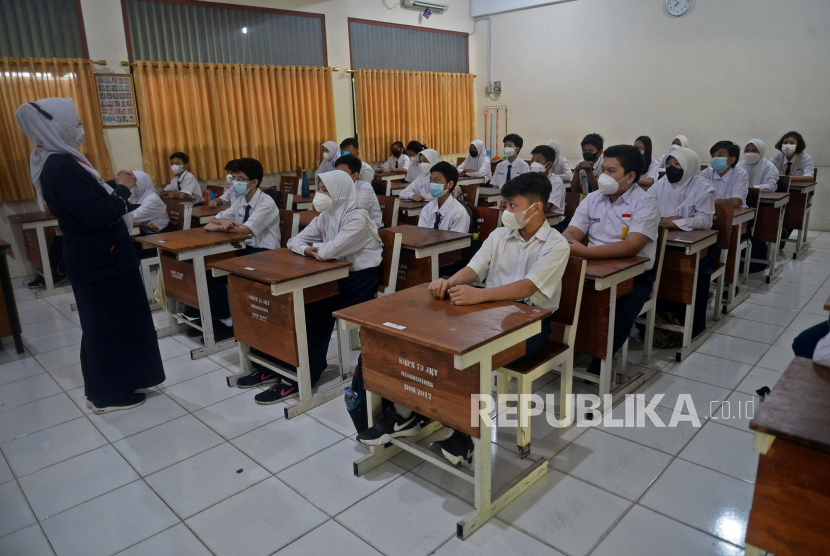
column 398, row 163
column 792, row 160
column 345, row 232
column 477, row 163
column 650, row 166
column 762, row 172
column 418, row 189
column 331, row 152
column 677, row 142
column 412, row 150
column 366, row 197
column 151, row 214
column 560, row 166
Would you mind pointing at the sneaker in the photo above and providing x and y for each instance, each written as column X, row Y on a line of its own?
column 37, row 283
column 127, row 402
column 457, row 448
column 259, row 376
column 390, row 425
column 59, row 280
column 277, row 393
column 191, row 313
column 221, row 332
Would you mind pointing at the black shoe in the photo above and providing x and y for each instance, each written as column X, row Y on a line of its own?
column 457, row 448
column 191, row 313
column 259, row 376
column 594, row 366
column 127, row 402
column 194, row 332
column 37, row 283
column 390, row 425
column 726, row 293
column 277, row 393
column 59, row 280
column 221, row 332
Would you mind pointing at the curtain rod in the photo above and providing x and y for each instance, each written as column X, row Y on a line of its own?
column 233, row 66
column 355, row 71
column 63, row 61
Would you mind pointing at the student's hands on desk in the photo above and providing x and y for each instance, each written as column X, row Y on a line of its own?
column 459, row 295
column 312, row 252
column 417, row 197
column 213, row 203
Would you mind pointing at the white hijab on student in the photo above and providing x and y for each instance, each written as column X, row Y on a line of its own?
column 758, row 171
column 54, row 129
column 557, row 148
column 328, row 165
column 342, row 191
column 689, row 161
column 432, row 157
column 474, row 162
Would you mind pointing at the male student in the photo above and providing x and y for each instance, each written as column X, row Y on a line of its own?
column 542, row 160
column 398, row 163
column 730, row 182
column 366, row 198
column 229, row 196
column 621, row 220
column 350, row 146
column 512, row 165
column 589, row 168
column 444, row 212
column 253, row 213
column 524, row 260
column 183, row 187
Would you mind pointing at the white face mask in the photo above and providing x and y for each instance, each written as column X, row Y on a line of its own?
column 752, row 158
column 425, row 167
column 511, row 220
column 788, row 149
column 322, row 202
column 326, row 156
column 607, row 184
column 509, row 152
column 176, row 169
column 537, row 167
column 229, row 179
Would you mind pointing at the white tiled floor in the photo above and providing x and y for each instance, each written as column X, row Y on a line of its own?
column 200, row 469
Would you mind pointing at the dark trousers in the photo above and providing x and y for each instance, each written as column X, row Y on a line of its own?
column 704, row 278
column 805, row 343
column 218, row 288
column 629, row 307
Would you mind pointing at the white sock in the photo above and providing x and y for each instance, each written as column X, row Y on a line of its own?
column 227, row 322
column 403, row 412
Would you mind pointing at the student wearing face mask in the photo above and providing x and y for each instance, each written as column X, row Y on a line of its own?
column 184, row 186
column 229, row 196
column 523, row 260
column 589, row 168
column 511, row 166
column 398, row 163
column 477, row 163
column 730, row 182
column 792, row 161
column 418, row 189
column 763, row 174
column 444, row 212
column 412, row 150
column 366, row 197
column 677, row 142
column 330, row 152
column 542, row 161
column 151, row 214
column 651, row 168
column 621, row 221
column 560, row 166
column 350, row 147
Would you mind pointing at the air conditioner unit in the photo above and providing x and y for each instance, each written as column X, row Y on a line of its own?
column 421, row 5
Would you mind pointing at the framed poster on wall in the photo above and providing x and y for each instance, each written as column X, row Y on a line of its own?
column 116, row 99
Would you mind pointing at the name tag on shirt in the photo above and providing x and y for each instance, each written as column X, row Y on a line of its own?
column 593, row 220
column 626, row 219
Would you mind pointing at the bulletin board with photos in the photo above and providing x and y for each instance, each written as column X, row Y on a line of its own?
column 117, row 99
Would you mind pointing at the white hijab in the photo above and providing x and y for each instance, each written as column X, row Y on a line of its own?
column 683, row 141
column 342, row 190
column 431, row 155
column 689, row 161
column 557, row 148
column 474, row 162
column 56, row 133
column 328, row 165
column 145, row 187
column 758, row 171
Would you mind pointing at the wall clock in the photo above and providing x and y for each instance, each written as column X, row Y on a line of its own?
column 678, row 7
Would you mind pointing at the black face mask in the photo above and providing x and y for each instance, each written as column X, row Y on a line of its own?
column 396, row 153
column 674, row 174
column 473, row 153
column 590, row 157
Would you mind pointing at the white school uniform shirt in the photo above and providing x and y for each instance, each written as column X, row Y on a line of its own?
column 693, row 201
column 557, row 193
column 763, row 175
column 505, row 257
column 151, row 215
column 802, row 164
column 603, row 222
column 368, row 201
column 414, row 170
column 263, row 219
column 401, row 162
column 583, row 178
column 560, row 166
column 821, row 354
column 734, row 184
column 653, row 171
column 367, row 173
column 517, row 167
column 344, row 232
column 454, row 217
column 186, row 182
column 478, row 166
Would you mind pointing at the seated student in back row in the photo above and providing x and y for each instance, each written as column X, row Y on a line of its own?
column 349, row 146
column 229, row 196
column 151, row 215
column 418, row 188
column 542, row 162
column 792, row 161
column 650, row 173
column 477, row 163
column 398, row 163
column 412, row 150
column 524, row 260
column 184, row 186
column 762, row 172
column 677, row 142
column 511, row 166
column 589, row 168
column 621, row 221
column 560, row 167
column 366, row 198
column 444, row 212
column 730, row 182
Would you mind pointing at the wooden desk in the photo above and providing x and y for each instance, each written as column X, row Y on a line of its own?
column 306, row 217
column 469, row 180
column 37, row 226
column 391, row 179
column 488, row 196
column 9, row 320
column 410, row 211
column 797, row 215
column 792, row 491
column 184, row 257
column 303, row 203
column 610, row 279
column 205, row 214
column 554, row 218
column 429, row 243
column 678, row 282
column 768, row 228
column 733, row 260
column 268, row 293
column 432, row 357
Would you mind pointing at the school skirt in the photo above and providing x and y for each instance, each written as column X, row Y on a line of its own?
column 119, row 348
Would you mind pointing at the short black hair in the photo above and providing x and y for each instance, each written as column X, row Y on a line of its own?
column 594, row 139
column 230, row 167
column 546, row 151
column 415, row 147
column 350, row 160
column 629, row 158
column 349, row 142
column 731, row 148
column 646, row 141
column 399, row 143
column 183, row 157
column 515, row 139
column 799, row 140
column 447, row 170
column 530, row 185
column 251, row 167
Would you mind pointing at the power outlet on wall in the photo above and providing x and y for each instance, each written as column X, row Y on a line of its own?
column 493, row 88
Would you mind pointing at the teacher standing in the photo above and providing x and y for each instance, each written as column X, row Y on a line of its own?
column 119, row 349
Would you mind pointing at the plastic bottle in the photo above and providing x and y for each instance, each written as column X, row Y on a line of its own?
column 305, row 191
column 352, row 399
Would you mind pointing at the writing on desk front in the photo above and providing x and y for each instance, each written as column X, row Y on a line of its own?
column 417, row 379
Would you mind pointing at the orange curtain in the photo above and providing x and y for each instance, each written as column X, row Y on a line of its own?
column 434, row 108
column 29, row 79
column 279, row 115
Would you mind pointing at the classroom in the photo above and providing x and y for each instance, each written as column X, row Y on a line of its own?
column 414, row 277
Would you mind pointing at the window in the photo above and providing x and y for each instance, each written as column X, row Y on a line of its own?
column 42, row 29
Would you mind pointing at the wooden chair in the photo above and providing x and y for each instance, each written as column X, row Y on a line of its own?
column 650, row 306
column 488, row 220
column 290, row 184
column 753, row 200
column 459, row 160
column 572, row 201
column 469, row 193
column 390, row 262
column 783, row 185
column 703, row 166
column 390, row 207
column 723, row 224
column 175, row 211
column 287, row 200
column 289, row 226
column 557, row 353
